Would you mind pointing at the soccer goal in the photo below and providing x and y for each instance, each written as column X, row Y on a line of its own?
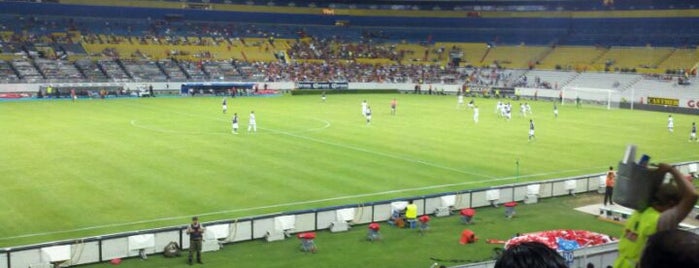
column 608, row 98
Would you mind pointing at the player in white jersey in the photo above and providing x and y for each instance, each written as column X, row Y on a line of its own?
column 527, row 108
column 498, row 108
column 459, row 100
column 252, row 124
column 475, row 113
column 364, row 107
column 508, row 111
column 522, row 110
column 670, row 124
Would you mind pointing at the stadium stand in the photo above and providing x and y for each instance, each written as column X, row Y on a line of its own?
column 629, row 59
column 7, row 72
column 58, row 70
column 27, row 71
column 306, row 47
column 90, row 70
column 546, row 79
column 603, row 81
column 219, row 70
column 114, row 71
column 679, row 59
column 577, row 58
column 142, row 71
column 172, row 70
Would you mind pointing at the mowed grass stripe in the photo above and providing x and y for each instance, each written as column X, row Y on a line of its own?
column 117, row 176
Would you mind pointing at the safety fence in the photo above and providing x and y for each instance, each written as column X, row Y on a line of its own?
column 281, row 225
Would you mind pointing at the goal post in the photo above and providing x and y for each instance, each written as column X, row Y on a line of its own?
column 608, row 98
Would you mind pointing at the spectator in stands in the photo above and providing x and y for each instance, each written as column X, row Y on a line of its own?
column 609, row 186
column 530, row 255
column 671, row 248
column 669, row 205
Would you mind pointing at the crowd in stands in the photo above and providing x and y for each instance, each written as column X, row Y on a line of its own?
column 338, row 49
column 310, row 56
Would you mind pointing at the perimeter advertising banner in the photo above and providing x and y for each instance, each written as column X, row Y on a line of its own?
column 691, row 103
column 664, row 101
column 322, row 85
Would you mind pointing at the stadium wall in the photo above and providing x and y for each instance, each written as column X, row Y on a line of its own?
column 165, row 86
column 685, row 103
column 106, row 247
column 562, row 10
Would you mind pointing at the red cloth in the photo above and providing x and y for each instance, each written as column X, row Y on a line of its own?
column 424, row 218
column 467, row 236
column 374, row 226
column 307, row 235
column 511, row 204
column 549, row 238
column 115, row 261
column 468, row 212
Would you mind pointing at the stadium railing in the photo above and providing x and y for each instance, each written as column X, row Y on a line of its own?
column 106, row 247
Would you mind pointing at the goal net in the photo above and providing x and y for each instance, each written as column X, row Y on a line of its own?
column 608, row 98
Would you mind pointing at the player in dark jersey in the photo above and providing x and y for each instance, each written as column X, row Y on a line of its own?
column 234, row 122
column 531, row 130
column 224, row 105
column 693, row 133
column 368, row 115
column 195, row 232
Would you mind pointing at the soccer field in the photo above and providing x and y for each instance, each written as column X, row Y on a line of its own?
column 102, row 166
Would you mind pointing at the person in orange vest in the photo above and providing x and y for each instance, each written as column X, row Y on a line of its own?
column 609, row 186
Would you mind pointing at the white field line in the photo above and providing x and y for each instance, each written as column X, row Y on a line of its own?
column 97, row 227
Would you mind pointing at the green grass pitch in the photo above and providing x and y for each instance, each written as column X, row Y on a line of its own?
column 93, row 167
